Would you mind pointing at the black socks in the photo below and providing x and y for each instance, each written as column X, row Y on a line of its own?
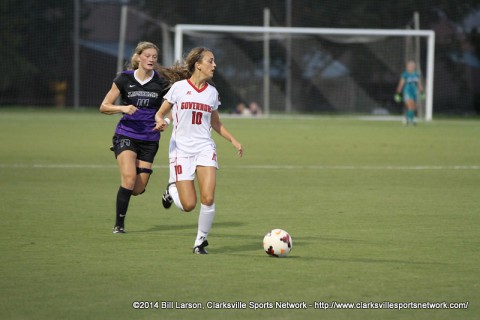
column 123, row 198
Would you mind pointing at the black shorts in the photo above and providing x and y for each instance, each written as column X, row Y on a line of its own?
column 145, row 150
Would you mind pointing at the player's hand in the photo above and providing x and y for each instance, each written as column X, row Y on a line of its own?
column 422, row 95
column 160, row 125
column 397, row 97
column 130, row 109
column 238, row 146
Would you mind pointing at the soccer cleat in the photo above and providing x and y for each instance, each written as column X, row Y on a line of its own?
column 118, row 229
column 167, row 198
column 201, row 248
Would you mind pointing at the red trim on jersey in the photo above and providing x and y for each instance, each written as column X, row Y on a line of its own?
column 175, row 168
column 196, row 89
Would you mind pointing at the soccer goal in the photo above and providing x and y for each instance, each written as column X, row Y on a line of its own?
column 312, row 70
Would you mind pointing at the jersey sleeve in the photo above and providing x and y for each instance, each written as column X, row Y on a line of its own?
column 164, row 83
column 120, row 81
column 170, row 96
column 217, row 101
column 166, row 88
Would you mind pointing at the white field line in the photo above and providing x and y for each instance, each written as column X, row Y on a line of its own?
column 250, row 167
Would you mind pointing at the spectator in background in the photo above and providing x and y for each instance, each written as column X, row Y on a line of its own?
column 242, row 110
column 255, row 109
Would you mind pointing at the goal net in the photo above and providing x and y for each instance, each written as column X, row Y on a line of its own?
column 312, row 70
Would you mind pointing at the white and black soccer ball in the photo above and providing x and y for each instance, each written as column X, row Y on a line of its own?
column 277, row 243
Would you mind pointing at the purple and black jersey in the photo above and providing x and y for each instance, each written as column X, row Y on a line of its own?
column 147, row 98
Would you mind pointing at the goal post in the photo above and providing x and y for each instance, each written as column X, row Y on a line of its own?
column 267, row 33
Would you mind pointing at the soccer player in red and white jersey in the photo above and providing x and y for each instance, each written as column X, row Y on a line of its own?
column 194, row 105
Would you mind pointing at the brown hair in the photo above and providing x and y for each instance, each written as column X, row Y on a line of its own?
column 195, row 55
column 184, row 71
column 172, row 74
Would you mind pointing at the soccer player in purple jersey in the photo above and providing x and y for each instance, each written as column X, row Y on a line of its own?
column 135, row 143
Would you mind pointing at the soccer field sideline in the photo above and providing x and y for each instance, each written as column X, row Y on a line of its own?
column 251, row 167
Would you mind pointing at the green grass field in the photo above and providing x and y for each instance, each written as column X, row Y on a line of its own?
column 377, row 212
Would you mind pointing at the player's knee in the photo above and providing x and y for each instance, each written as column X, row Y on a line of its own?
column 137, row 193
column 189, row 206
column 128, row 181
column 208, row 200
column 140, row 183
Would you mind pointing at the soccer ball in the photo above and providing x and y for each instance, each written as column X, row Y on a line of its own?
column 277, row 243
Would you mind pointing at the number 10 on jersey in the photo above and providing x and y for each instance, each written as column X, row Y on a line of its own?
column 197, row 117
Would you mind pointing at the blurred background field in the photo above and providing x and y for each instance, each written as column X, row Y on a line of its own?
column 66, row 53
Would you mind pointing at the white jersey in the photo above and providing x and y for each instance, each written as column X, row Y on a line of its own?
column 192, row 113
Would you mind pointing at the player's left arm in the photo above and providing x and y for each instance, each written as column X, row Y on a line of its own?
column 420, row 86
column 218, row 126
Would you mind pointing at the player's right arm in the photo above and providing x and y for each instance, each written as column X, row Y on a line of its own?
column 160, row 123
column 401, row 83
column 397, row 97
column 108, row 104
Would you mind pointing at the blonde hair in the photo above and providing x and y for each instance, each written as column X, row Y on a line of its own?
column 141, row 46
column 172, row 74
column 411, row 64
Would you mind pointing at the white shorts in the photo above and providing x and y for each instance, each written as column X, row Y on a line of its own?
column 184, row 168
